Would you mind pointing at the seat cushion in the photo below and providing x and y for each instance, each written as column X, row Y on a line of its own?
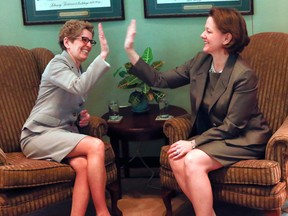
column 22, row 172
column 256, row 172
column 252, row 196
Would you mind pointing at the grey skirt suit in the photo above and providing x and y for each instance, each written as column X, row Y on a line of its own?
column 227, row 122
column 51, row 130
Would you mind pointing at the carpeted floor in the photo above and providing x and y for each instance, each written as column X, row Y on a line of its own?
column 142, row 197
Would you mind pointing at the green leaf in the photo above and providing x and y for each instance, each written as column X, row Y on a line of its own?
column 157, row 65
column 130, row 81
column 123, row 73
column 128, row 66
column 117, row 71
column 147, row 55
column 145, row 88
column 158, row 95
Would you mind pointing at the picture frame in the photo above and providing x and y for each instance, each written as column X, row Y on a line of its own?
column 192, row 8
column 36, row 12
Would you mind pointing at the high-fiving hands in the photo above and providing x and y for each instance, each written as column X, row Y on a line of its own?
column 103, row 42
column 129, row 42
column 130, row 36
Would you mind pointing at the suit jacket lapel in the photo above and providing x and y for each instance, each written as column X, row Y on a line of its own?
column 201, row 78
column 72, row 64
column 223, row 80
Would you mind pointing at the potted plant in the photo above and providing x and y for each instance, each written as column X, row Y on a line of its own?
column 143, row 93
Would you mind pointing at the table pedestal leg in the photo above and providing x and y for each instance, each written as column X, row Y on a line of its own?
column 125, row 151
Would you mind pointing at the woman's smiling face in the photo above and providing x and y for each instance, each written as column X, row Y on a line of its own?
column 77, row 48
column 212, row 37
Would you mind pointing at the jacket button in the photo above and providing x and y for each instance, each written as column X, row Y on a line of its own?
column 74, row 114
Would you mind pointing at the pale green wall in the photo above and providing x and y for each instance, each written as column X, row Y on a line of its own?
column 174, row 40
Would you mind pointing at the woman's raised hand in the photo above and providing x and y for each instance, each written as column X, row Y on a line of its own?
column 129, row 42
column 103, row 42
column 131, row 32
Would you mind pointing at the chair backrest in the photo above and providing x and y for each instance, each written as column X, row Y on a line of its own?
column 267, row 54
column 20, row 72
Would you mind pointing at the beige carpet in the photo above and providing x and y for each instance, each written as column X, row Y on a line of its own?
column 144, row 206
column 142, row 195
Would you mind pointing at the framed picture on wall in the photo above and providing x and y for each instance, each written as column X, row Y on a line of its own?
column 58, row 11
column 188, row 8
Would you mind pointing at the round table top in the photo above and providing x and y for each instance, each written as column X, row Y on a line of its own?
column 140, row 126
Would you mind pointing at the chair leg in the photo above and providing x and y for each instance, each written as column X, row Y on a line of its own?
column 114, row 189
column 166, row 197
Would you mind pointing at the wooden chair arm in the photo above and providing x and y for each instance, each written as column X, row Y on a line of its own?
column 178, row 128
column 277, row 148
column 97, row 127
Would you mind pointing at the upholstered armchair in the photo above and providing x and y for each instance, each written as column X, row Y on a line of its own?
column 27, row 185
column 257, row 184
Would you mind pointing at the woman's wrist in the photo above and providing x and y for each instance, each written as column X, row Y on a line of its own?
column 193, row 143
column 132, row 55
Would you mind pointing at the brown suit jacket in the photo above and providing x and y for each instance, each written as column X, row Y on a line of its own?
column 234, row 111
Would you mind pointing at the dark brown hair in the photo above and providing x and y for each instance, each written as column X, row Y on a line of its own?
column 72, row 29
column 229, row 20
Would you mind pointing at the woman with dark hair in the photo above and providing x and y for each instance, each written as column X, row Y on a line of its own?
column 227, row 123
column 51, row 132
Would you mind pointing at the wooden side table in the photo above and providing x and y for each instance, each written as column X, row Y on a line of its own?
column 136, row 127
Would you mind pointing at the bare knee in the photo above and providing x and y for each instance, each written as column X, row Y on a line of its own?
column 193, row 165
column 97, row 147
column 176, row 165
column 79, row 164
column 89, row 146
column 198, row 162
